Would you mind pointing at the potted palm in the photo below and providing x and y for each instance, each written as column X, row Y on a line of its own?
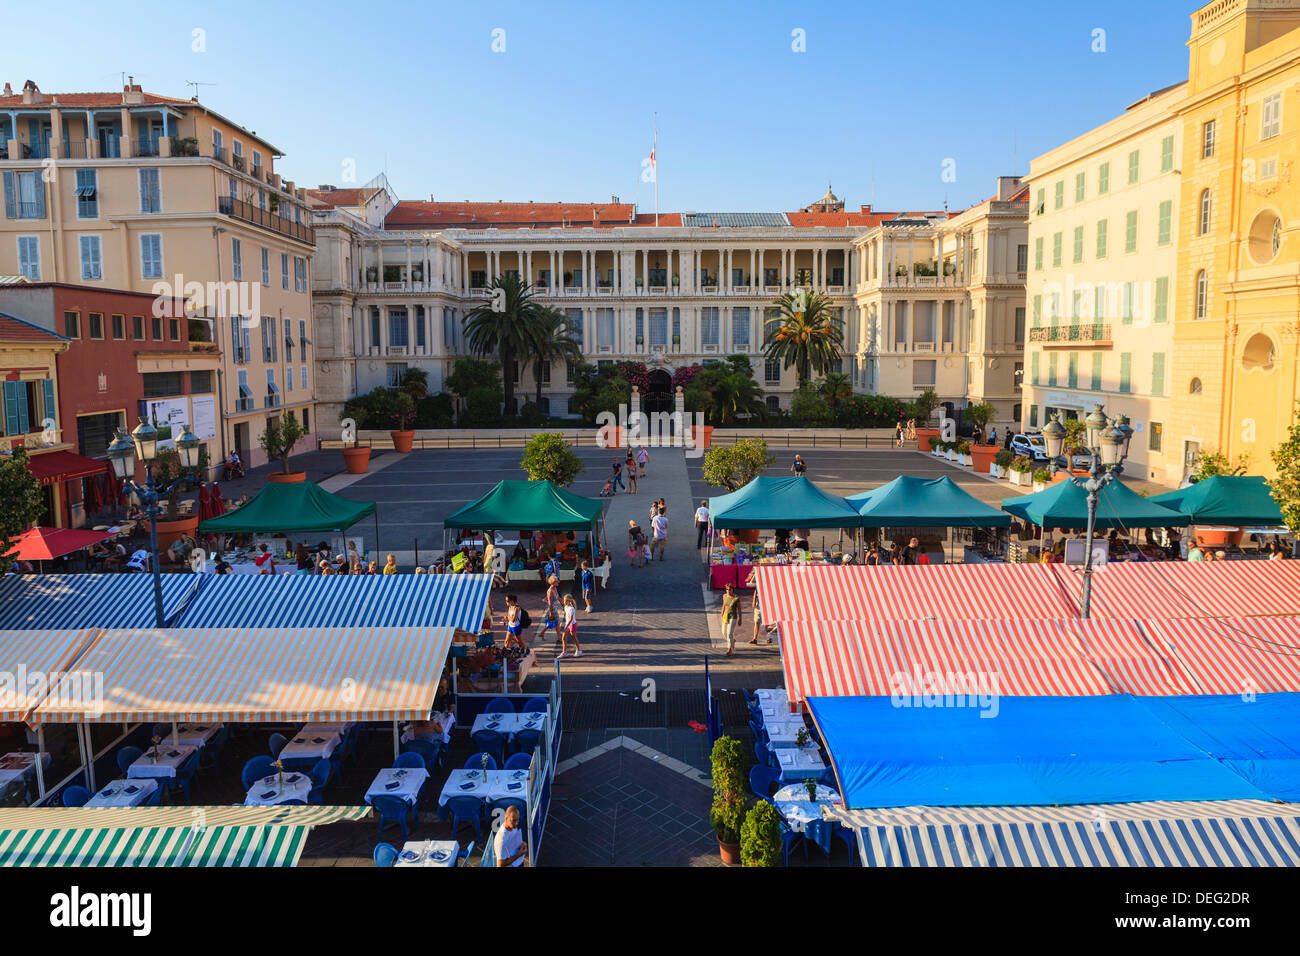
column 278, row 441
column 727, row 814
column 760, row 836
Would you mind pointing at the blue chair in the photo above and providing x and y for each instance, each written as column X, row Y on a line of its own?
column 788, row 839
column 764, row 756
column 462, row 858
column 255, row 770
column 427, row 750
column 320, row 776
column 462, row 810
column 536, row 705
column 155, row 799
column 75, row 796
column 392, row 810
column 410, row 760
column 184, row 776
column 212, row 749
column 818, row 832
column 276, row 743
column 127, row 756
column 500, row 705
column 525, row 741
column 476, row 762
column 759, row 732
column 761, row 780
column 491, row 742
column 750, row 699
column 520, row 761
column 504, row 803
column 385, row 854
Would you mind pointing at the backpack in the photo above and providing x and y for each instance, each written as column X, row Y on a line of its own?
column 525, row 620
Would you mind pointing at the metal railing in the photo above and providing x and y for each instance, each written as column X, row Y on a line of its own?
column 147, row 146
column 247, row 212
column 1076, row 332
column 589, row 438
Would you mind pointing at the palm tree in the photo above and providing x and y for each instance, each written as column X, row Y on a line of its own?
column 504, row 325
column 553, row 341
column 836, row 389
column 729, row 395
column 805, row 334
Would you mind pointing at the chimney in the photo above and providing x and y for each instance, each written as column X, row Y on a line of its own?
column 132, row 95
column 1007, row 187
column 9, row 90
column 31, row 93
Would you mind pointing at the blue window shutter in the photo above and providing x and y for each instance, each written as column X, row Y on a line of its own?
column 51, row 409
column 11, row 408
column 11, row 203
column 40, row 196
column 24, row 419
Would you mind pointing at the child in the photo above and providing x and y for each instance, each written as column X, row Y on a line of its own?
column 570, row 629
column 587, row 582
column 608, row 490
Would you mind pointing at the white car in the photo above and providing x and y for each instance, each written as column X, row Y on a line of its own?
column 1031, row 446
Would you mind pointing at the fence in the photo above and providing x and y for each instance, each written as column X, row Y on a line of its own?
column 871, row 438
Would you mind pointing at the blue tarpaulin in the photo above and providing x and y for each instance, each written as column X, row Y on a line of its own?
column 1025, row 751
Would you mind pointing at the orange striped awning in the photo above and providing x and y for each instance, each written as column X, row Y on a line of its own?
column 258, row 674
column 30, row 659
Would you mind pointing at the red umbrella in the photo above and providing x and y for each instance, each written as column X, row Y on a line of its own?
column 91, row 501
column 218, row 503
column 205, row 503
column 45, row 544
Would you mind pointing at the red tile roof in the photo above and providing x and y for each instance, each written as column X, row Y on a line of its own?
column 88, row 100
column 485, row 215
column 340, row 197
column 16, row 330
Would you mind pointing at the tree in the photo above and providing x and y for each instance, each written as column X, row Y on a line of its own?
column 1285, row 488
column 415, row 382
column 805, row 334
column 21, row 502
column 483, row 407
column 598, row 389
column 468, row 374
column 553, row 341
column 808, row 407
column 923, row 405
column 1216, row 463
column 280, row 437
column 548, row 457
column 734, row 466
column 724, row 393
column 836, row 388
column 980, row 413
column 505, row 325
column 760, row 836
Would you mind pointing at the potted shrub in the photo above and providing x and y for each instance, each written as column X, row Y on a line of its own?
column 934, row 441
column 640, row 340
column 727, row 814
column 1020, row 468
column 924, row 435
column 278, row 440
column 677, row 340
column 1001, row 462
column 950, row 450
column 356, row 458
column 760, row 836
column 639, row 282
column 676, row 281
column 963, row 453
column 1042, row 478
column 401, row 418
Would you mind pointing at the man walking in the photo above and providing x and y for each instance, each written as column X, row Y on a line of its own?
column 659, row 528
column 730, row 618
column 798, row 468
column 616, row 476
column 701, row 523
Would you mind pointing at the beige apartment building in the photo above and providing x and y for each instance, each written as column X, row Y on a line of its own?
column 1102, row 283
column 143, row 192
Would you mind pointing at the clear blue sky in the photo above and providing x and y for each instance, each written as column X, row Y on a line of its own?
column 565, row 112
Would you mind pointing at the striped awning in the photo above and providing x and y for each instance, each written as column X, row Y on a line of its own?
column 1169, row 833
column 389, row 600
column 1255, row 655
column 962, row 592
column 91, row 818
column 27, row 661
column 1013, row 658
column 257, row 675
column 1189, row 589
column 88, row 600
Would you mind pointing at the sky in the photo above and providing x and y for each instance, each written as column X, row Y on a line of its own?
column 759, row 105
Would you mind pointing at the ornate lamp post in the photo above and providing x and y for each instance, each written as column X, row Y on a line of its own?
column 142, row 443
column 1107, row 445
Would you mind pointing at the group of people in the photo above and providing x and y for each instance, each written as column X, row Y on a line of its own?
column 913, row 554
column 635, row 463
column 732, row 615
column 642, row 547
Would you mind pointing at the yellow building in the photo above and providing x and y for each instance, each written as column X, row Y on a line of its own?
column 1236, row 370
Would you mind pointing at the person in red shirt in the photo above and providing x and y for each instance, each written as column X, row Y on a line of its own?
column 264, row 560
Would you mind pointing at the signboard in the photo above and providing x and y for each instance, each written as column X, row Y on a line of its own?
column 169, row 416
column 1076, row 551
column 204, row 423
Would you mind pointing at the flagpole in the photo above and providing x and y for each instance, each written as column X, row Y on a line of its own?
column 654, row 151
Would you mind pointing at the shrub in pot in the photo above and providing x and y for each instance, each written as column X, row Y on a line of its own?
column 1020, row 468
column 1041, row 478
column 963, row 452
column 760, row 836
column 727, row 813
column 936, row 445
column 400, row 414
column 1002, row 461
column 278, row 440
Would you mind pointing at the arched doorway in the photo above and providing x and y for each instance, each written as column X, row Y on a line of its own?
column 659, row 393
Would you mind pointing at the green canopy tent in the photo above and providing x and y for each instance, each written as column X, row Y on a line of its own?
column 300, row 507
column 911, row 502
column 793, row 502
column 536, row 505
column 1065, row 505
column 1239, row 501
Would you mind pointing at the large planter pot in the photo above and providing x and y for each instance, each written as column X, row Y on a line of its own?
column 982, row 457
column 730, row 851
column 402, row 440
column 169, row 531
column 951, row 455
column 1020, row 478
column 1039, row 486
column 357, row 460
column 287, row 478
column 1208, row 537
column 702, row 433
column 923, row 436
column 995, row 471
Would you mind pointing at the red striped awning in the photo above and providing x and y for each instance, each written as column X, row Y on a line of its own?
column 945, row 592
column 56, row 466
column 1258, row 655
column 1188, row 589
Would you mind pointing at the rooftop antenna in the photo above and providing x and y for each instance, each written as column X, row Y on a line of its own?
column 196, row 84
column 1013, row 153
column 873, row 183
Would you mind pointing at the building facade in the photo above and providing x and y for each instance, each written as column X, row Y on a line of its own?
column 149, row 193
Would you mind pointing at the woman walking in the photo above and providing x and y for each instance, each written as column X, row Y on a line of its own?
column 635, row 543
column 631, row 477
column 570, row 629
column 730, row 618
column 553, row 602
column 642, row 457
column 513, row 620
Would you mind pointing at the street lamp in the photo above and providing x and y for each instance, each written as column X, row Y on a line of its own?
column 1107, row 446
column 142, row 443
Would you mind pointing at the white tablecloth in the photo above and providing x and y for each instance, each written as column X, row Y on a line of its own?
column 448, row 721
column 785, row 733
column 409, row 780
column 310, row 746
column 268, row 791
column 194, row 735
column 799, row 813
column 169, row 759
column 326, row 729
column 123, row 793
column 499, row 783
column 772, row 696
column 799, row 764
column 428, row 853
column 20, row 765
column 509, row 724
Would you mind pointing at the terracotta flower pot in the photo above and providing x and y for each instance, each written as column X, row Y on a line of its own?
column 730, row 851
column 923, row 436
column 702, row 433
column 1212, row 537
column 982, row 457
column 402, row 440
column 287, row 478
column 169, row 531
column 357, row 460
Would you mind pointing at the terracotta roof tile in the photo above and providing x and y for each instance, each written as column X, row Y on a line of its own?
column 16, row 330
column 88, row 100
column 486, row 215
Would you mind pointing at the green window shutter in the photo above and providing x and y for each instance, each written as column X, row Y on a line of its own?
column 1126, row 303
column 1038, row 310
column 1126, row 371
column 1103, row 178
column 1033, row 371
column 1078, row 243
column 1131, row 231
column 1158, row 373
column 1096, row 371
column 51, row 409
column 11, row 407
column 1079, row 186
column 1051, row 368
column 1167, row 154
column 1056, row 250
column 1038, row 254
column 1040, row 203
column 1102, row 229
column 1060, row 194
column 1163, row 226
column 1162, row 299
column 1099, row 307
column 1073, row 375
column 1133, row 167
column 11, row 199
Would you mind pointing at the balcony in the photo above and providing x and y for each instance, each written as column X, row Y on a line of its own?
column 247, row 212
column 1078, row 335
column 147, row 146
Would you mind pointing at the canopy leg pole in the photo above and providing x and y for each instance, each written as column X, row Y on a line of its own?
column 90, row 758
column 40, row 770
column 376, row 533
column 397, row 741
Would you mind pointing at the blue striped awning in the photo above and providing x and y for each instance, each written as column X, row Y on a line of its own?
column 1166, row 833
column 292, row 600
column 53, row 601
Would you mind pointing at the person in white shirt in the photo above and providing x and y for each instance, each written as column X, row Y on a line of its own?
column 659, row 527
column 701, row 523
column 139, row 561
column 509, row 846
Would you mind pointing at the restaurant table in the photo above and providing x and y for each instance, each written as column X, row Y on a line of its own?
column 123, row 793
column 798, row 763
column 193, row 735
column 772, row 697
column 428, row 853
column 169, row 760
column 792, row 792
column 783, row 733
column 20, row 765
column 499, row 783
column 403, row 782
column 509, row 724
column 448, row 721
column 269, row 791
column 307, row 747
column 792, row 803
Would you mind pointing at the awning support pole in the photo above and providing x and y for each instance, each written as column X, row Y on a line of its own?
column 40, row 770
column 397, row 741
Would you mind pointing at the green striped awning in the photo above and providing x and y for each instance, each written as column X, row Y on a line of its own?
column 154, row 846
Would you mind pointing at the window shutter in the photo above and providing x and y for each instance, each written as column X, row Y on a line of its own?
column 40, row 195
column 24, row 416
column 11, row 203
column 51, row 409
column 11, row 404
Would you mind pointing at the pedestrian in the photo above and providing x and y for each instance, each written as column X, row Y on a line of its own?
column 659, row 528
column 701, row 523
column 301, row 558
column 570, row 629
column 642, row 458
column 390, row 567
column 993, row 435
column 798, row 468
column 873, row 555
column 616, row 476
column 587, row 581
column 730, row 618
column 552, row 611
column 898, row 434
column 265, row 560
column 912, row 552
column 752, row 582
column 373, row 568
column 513, row 620
column 631, row 477
column 635, row 543
column 630, row 461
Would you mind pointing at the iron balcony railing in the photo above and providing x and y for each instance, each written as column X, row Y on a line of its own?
column 1078, row 332
column 247, row 212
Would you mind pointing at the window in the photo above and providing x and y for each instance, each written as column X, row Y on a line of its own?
column 1099, row 302
column 245, row 401
column 1038, row 254
column 1051, row 367
column 1078, row 243
column 174, row 329
column 1033, row 416
column 284, row 271
column 376, row 336
column 87, row 192
column 1126, row 302
column 137, row 327
column 1126, row 372
column 1155, row 433
column 1268, row 168
column 1205, row 207
column 709, row 326
column 659, row 327
column 236, row 259
column 398, row 328
column 24, row 195
column 772, row 372
column 269, row 349
column 29, row 257
column 1020, row 325
column 638, row 329
column 1260, row 352
column 162, row 384
column 288, row 379
column 1080, row 184
column 1096, row 371
column 605, row 327
column 1103, row 226
column 1162, row 300
column 261, row 198
column 1033, row 367
column 288, row 340
column 773, row 404
column 1040, row 202
column 1103, row 179
column 1270, row 118
column 1202, row 293
column 1195, row 387
column 95, row 432
column 1158, row 373
column 1056, row 250
column 1059, row 194
column 272, row 390
column 234, row 189
column 72, row 325
column 302, row 377
column 1131, row 231
column 91, row 266
column 155, row 328
column 1167, row 154
column 1022, row 258
column 151, row 264
column 266, row 266
column 24, row 403
column 923, row 372
column 1133, row 167
column 299, row 274
column 1038, row 310
column 150, row 191
column 1207, row 139
column 740, row 327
